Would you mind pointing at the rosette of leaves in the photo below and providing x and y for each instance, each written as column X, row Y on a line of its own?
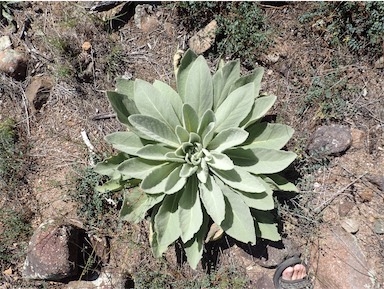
column 202, row 156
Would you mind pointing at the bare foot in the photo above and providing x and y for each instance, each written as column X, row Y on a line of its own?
column 296, row 272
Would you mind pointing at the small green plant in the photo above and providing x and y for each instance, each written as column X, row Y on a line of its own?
column 359, row 25
column 242, row 29
column 6, row 15
column 329, row 96
column 14, row 229
column 93, row 206
column 202, row 155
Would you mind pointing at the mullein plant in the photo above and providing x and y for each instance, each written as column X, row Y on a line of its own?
column 202, row 157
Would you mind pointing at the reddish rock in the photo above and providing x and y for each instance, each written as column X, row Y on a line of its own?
column 340, row 262
column 52, row 252
column 13, row 63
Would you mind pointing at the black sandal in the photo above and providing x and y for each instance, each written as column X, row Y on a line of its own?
column 280, row 283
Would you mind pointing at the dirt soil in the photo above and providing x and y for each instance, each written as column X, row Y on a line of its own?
column 54, row 34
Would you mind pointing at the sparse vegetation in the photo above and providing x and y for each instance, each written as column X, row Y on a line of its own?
column 358, row 25
column 242, row 33
column 15, row 225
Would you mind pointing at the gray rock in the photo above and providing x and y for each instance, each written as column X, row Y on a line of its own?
column 106, row 280
column 330, row 140
column 5, row 42
column 379, row 226
column 377, row 180
column 52, row 252
column 13, row 63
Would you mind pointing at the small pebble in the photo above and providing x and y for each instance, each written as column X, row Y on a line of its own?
column 350, row 225
column 379, row 226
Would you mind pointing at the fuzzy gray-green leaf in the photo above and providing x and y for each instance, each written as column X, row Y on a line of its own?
column 227, row 138
column 152, row 102
column 136, row 204
column 125, row 141
column 167, row 224
column 238, row 222
column 260, row 108
column 183, row 72
column 190, row 213
column 194, row 247
column 213, row 200
column 172, row 95
column 138, row 168
column 155, row 181
column 235, row 108
column 240, row 179
column 268, row 135
column 190, row 118
column 261, row 160
column 154, row 152
column 155, row 129
column 280, row 183
column 199, row 87
column 222, row 81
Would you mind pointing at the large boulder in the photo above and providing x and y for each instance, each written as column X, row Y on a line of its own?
column 52, row 252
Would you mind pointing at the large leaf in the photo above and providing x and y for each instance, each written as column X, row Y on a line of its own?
column 255, row 78
column 194, row 247
column 235, row 108
column 152, row 102
column 260, row 160
column 138, row 168
column 190, row 211
column 156, row 181
column 213, row 200
column 125, row 141
column 174, row 182
column 278, row 182
column 126, row 87
column 208, row 118
column 198, row 87
column 262, row 201
column 155, row 129
column 167, row 224
column 116, row 100
column 259, row 109
column 187, row 170
column 108, row 167
column 154, row 152
column 190, row 118
column 266, row 226
column 183, row 72
column 228, row 138
column 268, row 135
column 136, row 204
column 240, row 179
column 238, row 222
column 172, row 95
column 220, row 161
column 222, row 81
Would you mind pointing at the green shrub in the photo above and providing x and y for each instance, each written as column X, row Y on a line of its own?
column 242, row 29
column 359, row 25
column 202, row 155
column 329, row 97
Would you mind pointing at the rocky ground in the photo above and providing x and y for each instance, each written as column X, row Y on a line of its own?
column 58, row 59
